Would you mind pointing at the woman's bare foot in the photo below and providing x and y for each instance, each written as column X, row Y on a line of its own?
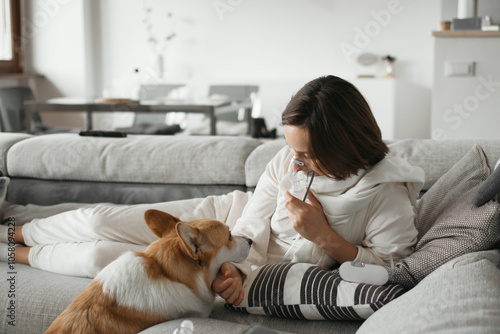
column 18, row 235
column 14, row 254
column 22, row 254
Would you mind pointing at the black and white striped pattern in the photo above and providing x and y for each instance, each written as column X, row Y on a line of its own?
column 305, row 291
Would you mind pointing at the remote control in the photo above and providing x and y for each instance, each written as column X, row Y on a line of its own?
column 359, row 272
column 98, row 133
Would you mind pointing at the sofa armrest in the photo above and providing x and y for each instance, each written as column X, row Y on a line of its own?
column 462, row 296
column 259, row 158
column 7, row 140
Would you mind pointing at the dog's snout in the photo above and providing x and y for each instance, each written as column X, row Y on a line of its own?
column 244, row 245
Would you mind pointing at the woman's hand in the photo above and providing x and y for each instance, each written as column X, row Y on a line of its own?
column 307, row 219
column 310, row 222
column 229, row 284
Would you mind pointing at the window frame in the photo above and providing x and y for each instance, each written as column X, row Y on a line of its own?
column 14, row 65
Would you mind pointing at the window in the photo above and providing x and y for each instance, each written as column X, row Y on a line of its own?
column 10, row 36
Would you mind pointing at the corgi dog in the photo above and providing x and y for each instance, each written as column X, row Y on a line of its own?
column 172, row 278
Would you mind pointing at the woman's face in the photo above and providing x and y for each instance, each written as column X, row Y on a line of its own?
column 298, row 140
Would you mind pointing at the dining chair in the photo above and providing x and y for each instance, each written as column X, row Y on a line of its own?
column 13, row 113
column 236, row 118
column 237, row 94
column 153, row 123
column 154, row 92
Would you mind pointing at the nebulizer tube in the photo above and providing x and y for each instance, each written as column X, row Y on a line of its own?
column 299, row 185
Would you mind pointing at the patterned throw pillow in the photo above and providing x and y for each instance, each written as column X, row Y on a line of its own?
column 305, row 291
column 448, row 224
column 489, row 190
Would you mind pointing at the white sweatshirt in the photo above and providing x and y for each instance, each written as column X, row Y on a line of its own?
column 373, row 210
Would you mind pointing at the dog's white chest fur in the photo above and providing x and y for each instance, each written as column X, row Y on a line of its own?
column 127, row 281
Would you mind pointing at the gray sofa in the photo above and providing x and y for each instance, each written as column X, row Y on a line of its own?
column 68, row 170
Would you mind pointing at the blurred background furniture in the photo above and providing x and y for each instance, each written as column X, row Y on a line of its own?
column 155, row 122
column 238, row 94
column 232, row 118
column 164, row 109
column 236, row 118
column 90, row 106
column 13, row 112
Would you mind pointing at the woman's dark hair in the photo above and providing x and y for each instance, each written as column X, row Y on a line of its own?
column 343, row 134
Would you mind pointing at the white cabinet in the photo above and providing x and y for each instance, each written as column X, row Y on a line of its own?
column 402, row 109
column 466, row 107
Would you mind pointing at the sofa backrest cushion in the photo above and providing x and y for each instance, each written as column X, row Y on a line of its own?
column 436, row 157
column 258, row 160
column 7, row 140
column 136, row 159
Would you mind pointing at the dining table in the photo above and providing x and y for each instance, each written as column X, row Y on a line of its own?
column 208, row 106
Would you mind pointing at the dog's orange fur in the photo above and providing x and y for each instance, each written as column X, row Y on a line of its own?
column 94, row 312
column 169, row 258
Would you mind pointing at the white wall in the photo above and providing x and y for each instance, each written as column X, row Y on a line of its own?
column 467, row 107
column 54, row 46
column 277, row 44
column 53, row 43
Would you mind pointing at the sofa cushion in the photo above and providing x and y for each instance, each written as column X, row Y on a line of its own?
column 258, row 160
column 462, row 296
column 40, row 296
column 436, row 157
column 490, row 189
column 305, row 291
column 205, row 326
column 221, row 312
column 7, row 139
column 49, row 192
column 136, row 158
column 448, row 225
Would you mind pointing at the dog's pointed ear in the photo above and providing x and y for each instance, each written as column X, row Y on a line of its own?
column 188, row 236
column 160, row 222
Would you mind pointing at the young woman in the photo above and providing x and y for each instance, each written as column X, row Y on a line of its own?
column 361, row 203
column 360, row 206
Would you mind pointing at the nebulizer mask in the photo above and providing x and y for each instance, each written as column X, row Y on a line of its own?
column 300, row 179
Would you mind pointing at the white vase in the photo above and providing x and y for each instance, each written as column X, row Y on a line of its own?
column 157, row 63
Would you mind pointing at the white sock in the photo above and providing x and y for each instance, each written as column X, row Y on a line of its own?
column 4, row 238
